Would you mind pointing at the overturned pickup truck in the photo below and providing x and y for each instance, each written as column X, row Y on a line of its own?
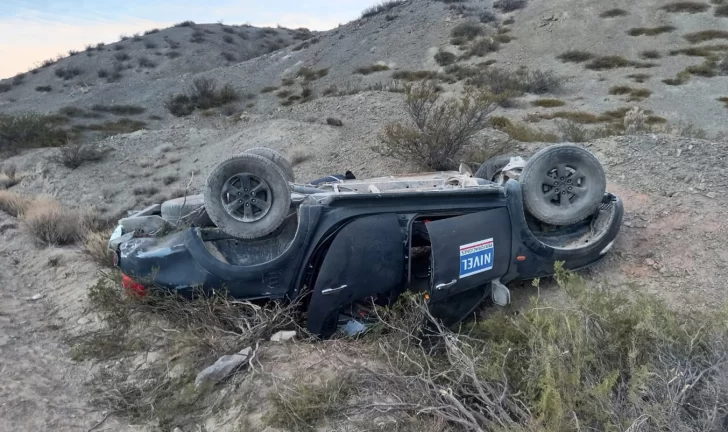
column 457, row 236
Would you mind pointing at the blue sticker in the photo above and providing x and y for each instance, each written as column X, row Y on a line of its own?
column 476, row 257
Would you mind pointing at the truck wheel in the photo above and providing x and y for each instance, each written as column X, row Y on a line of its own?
column 492, row 166
column 562, row 184
column 276, row 158
column 247, row 196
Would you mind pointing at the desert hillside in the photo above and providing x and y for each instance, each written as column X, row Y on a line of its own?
column 88, row 137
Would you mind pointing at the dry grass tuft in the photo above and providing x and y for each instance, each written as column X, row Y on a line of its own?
column 639, row 78
column 651, row 31
column 686, row 7
column 614, row 62
column 650, row 54
column 575, row 56
column 634, row 93
column 95, row 246
column 680, row 79
column 548, row 103
column 706, row 35
column 384, row 6
column 9, row 175
column 12, row 203
column 50, row 223
column 700, row 51
column 721, row 10
column 366, row 70
column 613, row 13
column 203, row 94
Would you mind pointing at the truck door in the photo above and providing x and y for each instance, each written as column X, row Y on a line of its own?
column 468, row 251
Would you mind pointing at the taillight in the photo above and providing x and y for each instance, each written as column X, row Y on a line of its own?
column 133, row 287
column 115, row 257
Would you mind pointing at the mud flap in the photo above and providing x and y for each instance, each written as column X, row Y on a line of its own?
column 365, row 259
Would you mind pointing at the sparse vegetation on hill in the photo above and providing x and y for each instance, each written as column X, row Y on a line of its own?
column 445, row 58
column 651, row 31
column 384, row 6
column 614, row 62
column 203, row 94
column 366, row 70
column 706, row 35
column 613, row 13
column 30, row 130
column 686, row 6
column 74, row 155
column 575, row 56
column 510, row 5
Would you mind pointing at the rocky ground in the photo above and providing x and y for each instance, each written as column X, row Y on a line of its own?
column 674, row 187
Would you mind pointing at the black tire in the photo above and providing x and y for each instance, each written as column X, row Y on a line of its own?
column 189, row 210
column 492, row 166
column 554, row 168
column 261, row 192
column 277, row 159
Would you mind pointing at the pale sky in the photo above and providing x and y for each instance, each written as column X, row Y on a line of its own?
column 34, row 30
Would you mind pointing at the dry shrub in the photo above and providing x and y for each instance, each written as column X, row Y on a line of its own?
column 50, row 223
column 468, row 30
column 635, row 121
column 13, row 203
column 299, row 155
column 95, row 245
column 481, row 48
column 603, row 362
column 74, row 155
column 444, row 58
column 9, row 175
column 206, row 326
column 438, row 129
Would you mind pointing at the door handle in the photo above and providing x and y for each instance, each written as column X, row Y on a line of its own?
column 446, row 285
column 328, row 291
